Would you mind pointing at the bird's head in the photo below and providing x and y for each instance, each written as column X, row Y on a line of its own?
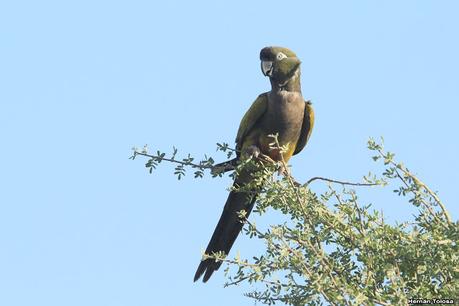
column 279, row 64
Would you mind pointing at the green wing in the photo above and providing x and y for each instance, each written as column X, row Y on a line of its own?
column 306, row 128
column 250, row 118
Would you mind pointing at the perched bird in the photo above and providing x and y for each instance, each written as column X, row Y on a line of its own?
column 281, row 111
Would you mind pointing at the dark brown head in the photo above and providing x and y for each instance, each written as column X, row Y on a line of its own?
column 279, row 64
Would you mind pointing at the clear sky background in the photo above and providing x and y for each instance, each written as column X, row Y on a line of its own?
column 81, row 82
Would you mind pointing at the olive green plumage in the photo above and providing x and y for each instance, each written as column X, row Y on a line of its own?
column 281, row 111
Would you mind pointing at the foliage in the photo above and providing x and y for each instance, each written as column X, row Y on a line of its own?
column 333, row 250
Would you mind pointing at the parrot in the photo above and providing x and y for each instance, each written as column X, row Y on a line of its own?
column 282, row 111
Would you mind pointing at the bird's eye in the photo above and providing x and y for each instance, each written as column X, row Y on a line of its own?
column 280, row 56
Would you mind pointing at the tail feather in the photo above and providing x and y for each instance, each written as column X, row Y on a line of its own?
column 226, row 232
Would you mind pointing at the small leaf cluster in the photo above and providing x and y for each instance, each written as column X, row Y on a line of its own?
column 225, row 147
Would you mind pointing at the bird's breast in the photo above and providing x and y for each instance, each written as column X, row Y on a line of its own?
column 284, row 117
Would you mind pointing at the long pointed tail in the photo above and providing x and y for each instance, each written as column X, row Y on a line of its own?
column 226, row 232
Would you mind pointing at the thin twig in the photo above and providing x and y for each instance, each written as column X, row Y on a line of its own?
column 309, row 272
column 337, row 182
column 429, row 191
column 422, row 201
column 421, row 184
column 159, row 158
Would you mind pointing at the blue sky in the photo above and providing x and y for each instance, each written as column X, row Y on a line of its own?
column 81, row 82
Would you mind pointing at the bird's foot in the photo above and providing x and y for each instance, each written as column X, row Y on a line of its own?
column 253, row 151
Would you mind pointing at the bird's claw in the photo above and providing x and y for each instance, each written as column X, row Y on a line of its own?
column 253, row 151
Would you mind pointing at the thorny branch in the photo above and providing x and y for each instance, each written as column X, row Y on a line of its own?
column 419, row 183
column 184, row 163
column 215, row 169
column 338, row 182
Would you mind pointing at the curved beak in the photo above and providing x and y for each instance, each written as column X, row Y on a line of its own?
column 267, row 68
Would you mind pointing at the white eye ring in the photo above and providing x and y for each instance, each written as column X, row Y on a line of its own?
column 280, row 56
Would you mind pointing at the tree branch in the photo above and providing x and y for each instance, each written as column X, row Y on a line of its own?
column 159, row 158
column 337, row 182
column 419, row 183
